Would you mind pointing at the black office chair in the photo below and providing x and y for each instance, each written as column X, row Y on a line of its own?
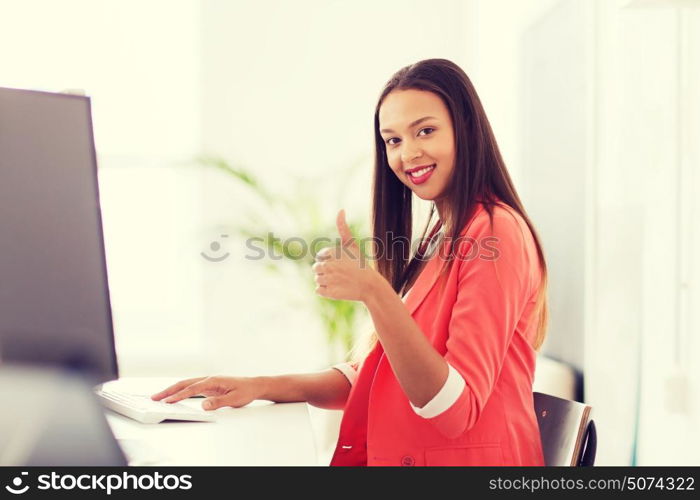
column 567, row 431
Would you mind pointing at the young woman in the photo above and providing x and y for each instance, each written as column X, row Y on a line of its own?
column 448, row 372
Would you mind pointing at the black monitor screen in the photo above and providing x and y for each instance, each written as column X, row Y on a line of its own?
column 54, row 299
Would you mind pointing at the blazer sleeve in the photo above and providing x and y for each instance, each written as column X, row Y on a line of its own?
column 349, row 370
column 494, row 286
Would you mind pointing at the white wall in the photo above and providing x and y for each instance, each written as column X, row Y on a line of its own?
column 609, row 170
column 143, row 77
column 656, row 54
column 496, row 69
column 141, row 72
column 640, row 341
column 554, row 100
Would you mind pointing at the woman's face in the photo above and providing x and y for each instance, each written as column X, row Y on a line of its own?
column 417, row 130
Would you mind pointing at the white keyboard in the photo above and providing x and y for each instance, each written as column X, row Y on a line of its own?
column 144, row 409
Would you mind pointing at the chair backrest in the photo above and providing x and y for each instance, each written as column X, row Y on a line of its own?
column 567, row 431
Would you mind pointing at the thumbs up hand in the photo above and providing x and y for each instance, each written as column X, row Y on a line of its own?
column 343, row 272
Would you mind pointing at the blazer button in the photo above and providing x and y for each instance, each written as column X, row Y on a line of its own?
column 408, row 461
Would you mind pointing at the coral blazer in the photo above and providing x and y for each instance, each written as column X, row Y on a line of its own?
column 482, row 322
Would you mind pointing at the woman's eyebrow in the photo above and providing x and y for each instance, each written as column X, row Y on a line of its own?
column 412, row 124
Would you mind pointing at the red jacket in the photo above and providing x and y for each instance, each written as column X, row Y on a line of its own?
column 482, row 322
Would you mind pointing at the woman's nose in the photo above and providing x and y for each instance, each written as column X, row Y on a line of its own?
column 408, row 154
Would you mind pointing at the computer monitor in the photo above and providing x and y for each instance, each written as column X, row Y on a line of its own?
column 56, row 421
column 54, row 296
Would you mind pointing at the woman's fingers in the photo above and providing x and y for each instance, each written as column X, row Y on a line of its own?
column 243, row 393
column 320, row 273
column 218, row 402
column 175, row 388
column 189, row 391
column 323, row 254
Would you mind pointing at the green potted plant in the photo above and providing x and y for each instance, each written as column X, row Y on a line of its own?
column 309, row 233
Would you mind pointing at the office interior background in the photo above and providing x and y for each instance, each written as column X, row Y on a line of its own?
column 595, row 105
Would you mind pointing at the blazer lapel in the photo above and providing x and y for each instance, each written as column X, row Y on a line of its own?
column 430, row 273
column 424, row 283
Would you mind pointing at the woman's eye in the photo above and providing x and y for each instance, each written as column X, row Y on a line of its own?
column 430, row 129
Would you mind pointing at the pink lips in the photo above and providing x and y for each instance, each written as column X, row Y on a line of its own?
column 422, row 178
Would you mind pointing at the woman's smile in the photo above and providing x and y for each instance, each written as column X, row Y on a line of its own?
column 419, row 175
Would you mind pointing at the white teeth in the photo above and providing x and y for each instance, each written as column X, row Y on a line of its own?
column 422, row 171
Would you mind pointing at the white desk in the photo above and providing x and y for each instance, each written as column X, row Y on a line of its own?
column 262, row 433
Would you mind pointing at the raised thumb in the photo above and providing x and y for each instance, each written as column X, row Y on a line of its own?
column 343, row 229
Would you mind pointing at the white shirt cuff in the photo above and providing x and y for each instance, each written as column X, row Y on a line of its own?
column 347, row 370
column 445, row 398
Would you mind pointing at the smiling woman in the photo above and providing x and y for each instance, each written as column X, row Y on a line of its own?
column 424, row 150
column 448, row 373
column 446, row 378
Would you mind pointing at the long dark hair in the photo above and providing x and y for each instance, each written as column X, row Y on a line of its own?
column 479, row 176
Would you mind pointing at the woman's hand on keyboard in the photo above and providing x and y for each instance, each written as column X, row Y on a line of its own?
column 220, row 391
